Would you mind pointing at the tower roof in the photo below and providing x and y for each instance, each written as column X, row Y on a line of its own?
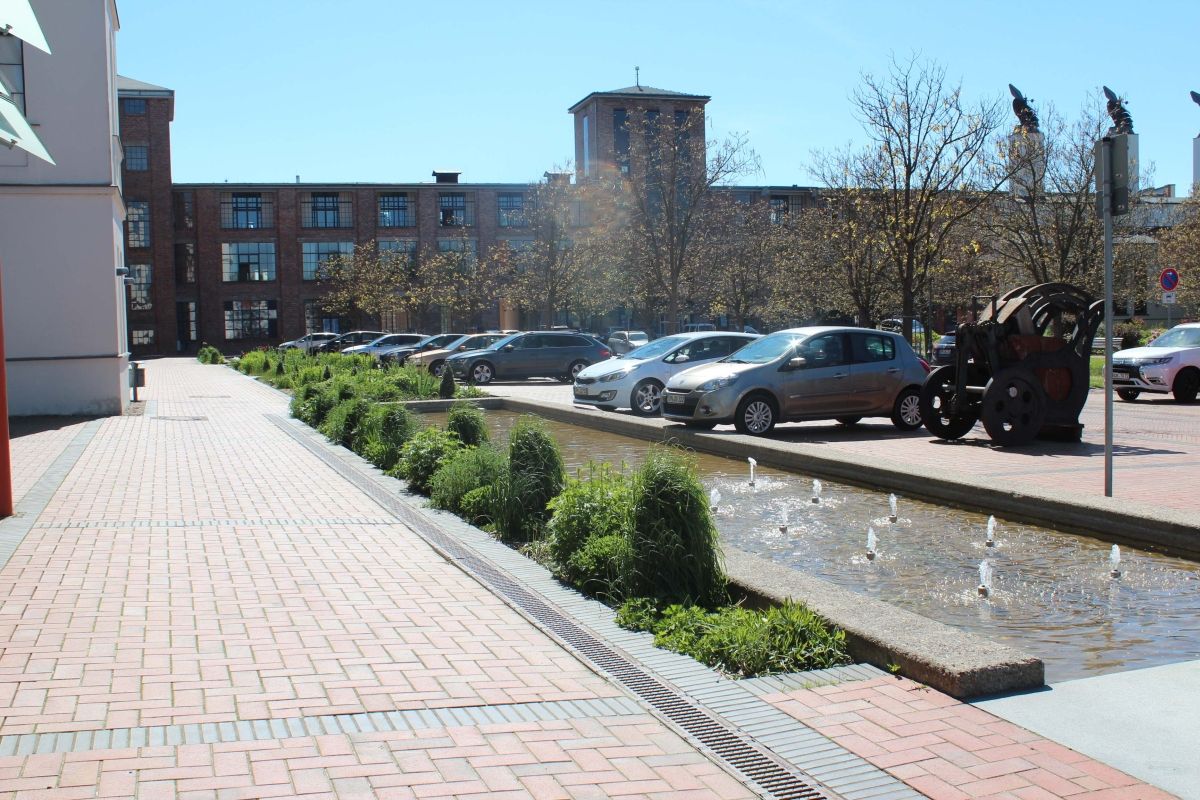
column 642, row 92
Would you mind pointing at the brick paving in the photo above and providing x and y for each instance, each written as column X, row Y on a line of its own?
column 1156, row 449
column 198, row 566
column 35, row 443
column 950, row 750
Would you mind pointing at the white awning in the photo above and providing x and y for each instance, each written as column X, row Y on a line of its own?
column 16, row 132
column 17, row 18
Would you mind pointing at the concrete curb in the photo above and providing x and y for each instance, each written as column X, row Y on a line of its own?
column 433, row 406
column 1125, row 522
column 958, row 663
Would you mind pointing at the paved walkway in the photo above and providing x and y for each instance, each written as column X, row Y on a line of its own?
column 1156, row 452
column 197, row 605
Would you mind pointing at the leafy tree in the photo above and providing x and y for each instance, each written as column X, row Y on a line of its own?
column 461, row 282
column 366, row 282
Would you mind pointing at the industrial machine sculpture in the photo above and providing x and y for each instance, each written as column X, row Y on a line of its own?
column 1022, row 368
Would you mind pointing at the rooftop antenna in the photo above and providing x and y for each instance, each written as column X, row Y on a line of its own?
column 637, row 76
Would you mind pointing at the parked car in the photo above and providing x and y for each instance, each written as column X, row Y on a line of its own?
column 435, row 359
column 802, row 374
column 621, row 342
column 943, row 350
column 1170, row 363
column 695, row 327
column 636, row 380
column 537, row 354
column 376, row 346
column 309, row 342
column 400, row 353
column 897, row 326
column 341, row 342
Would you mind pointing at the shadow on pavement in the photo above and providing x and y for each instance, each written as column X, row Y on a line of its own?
column 27, row 426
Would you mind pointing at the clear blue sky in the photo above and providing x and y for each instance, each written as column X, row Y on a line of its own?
column 387, row 90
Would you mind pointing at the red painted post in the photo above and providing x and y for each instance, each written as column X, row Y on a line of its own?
column 6, row 493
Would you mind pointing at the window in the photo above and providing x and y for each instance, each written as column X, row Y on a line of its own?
column 621, row 138
column 142, row 337
column 12, row 68
column 134, row 106
column 406, row 247
column 468, row 247
column 455, row 209
column 587, row 147
column 314, row 254
column 825, row 351
column 137, row 223
column 395, row 210
column 137, row 157
column 869, row 348
column 247, row 261
column 185, row 313
column 139, row 287
column 185, row 262
column 250, row 319
column 247, row 210
column 326, row 210
column 317, row 319
column 185, row 210
column 780, row 206
column 510, row 210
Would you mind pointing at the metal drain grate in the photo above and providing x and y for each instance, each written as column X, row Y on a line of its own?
column 183, row 419
column 734, row 748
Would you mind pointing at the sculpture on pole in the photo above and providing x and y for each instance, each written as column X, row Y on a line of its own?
column 1195, row 97
column 1028, row 120
column 1122, row 121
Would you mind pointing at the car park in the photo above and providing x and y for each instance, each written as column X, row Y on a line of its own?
column 536, row 354
column 802, row 374
column 341, row 342
column 943, row 350
column 400, row 354
column 435, row 360
column 621, row 342
column 636, row 380
column 1169, row 364
column 376, row 346
column 309, row 342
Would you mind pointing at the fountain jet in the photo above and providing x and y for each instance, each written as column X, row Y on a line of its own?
column 753, row 464
column 816, row 497
column 991, row 532
column 784, row 527
column 985, row 578
column 872, row 542
column 714, row 499
column 892, row 507
column 1114, row 562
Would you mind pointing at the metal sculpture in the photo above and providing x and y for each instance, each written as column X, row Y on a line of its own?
column 1022, row 369
column 1122, row 122
column 1025, row 114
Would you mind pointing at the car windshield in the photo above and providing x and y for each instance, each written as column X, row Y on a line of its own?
column 638, row 336
column 506, row 340
column 463, row 340
column 766, row 349
column 656, row 348
column 1178, row 337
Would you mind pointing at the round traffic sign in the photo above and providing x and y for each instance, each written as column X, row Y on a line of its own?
column 1169, row 280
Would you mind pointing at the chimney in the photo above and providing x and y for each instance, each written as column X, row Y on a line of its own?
column 445, row 176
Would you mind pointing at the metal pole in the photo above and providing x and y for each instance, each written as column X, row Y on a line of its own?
column 1106, row 154
column 6, row 492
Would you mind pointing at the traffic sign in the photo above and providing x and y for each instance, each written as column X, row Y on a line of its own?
column 1168, row 298
column 1169, row 280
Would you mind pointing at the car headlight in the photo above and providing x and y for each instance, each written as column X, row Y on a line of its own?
column 614, row 376
column 717, row 383
column 1150, row 362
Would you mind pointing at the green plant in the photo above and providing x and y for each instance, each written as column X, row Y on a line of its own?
column 341, row 423
column 447, row 387
column 463, row 472
column 601, row 505
column 894, row 668
column 1130, row 333
column 638, row 614
column 467, row 423
column 535, row 476
column 474, row 508
column 421, row 456
column 676, row 555
column 208, row 354
column 601, row 566
column 383, row 432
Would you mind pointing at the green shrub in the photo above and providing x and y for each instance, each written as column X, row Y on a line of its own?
column 423, row 454
column 601, row 567
column 464, row 471
column 341, row 423
column 741, row 641
column 447, row 387
column 1129, row 332
column 676, row 555
column 383, row 432
column 414, row 383
column 467, row 423
column 535, row 477
column 474, row 507
column 208, row 354
column 598, row 506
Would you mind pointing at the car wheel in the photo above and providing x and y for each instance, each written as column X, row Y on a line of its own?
column 646, row 398
column 1186, row 386
column 482, row 373
column 1128, row 395
column 755, row 415
column 906, row 411
column 437, row 368
column 576, row 368
column 700, row 426
column 848, row 421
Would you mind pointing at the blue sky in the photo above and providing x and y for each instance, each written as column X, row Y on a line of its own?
column 387, row 90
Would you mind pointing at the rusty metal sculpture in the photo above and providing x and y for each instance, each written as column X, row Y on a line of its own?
column 1022, row 369
column 1122, row 121
column 1026, row 117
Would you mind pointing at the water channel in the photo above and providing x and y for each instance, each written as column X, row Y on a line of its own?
column 1052, row 593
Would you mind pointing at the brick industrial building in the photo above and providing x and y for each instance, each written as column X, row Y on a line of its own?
column 235, row 265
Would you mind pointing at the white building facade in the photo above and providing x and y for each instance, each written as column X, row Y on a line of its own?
column 62, row 225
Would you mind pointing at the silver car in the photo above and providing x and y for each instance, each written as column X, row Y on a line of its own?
column 802, row 374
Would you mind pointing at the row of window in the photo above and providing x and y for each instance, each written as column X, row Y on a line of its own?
column 248, row 210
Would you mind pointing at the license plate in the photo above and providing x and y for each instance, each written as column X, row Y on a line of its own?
column 674, row 399
column 581, row 391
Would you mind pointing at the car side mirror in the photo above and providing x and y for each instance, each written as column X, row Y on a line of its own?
column 508, row 348
column 798, row 362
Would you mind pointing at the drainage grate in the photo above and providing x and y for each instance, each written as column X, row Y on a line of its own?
column 183, row 419
column 732, row 747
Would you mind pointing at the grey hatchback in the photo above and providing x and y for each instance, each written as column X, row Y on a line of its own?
column 541, row 354
column 802, row 374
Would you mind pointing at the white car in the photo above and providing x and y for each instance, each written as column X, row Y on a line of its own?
column 636, row 379
column 309, row 342
column 374, row 348
column 1171, row 363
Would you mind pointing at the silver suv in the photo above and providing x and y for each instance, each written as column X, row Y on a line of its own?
column 802, row 374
